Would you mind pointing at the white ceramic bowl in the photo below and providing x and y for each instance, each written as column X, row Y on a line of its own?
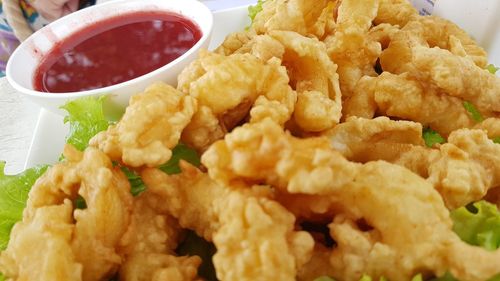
column 25, row 59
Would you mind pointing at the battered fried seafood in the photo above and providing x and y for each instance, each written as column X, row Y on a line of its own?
column 309, row 18
column 362, row 140
column 364, row 84
column 315, row 79
column 150, row 242
column 462, row 170
column 312, row 74
column 228, row 89
column 390, row 198
column 436, row 51
column 349, row 46
column 254, row 235
column 395, row 12
column 403, row 97
column 55, row 241
column 150, row 128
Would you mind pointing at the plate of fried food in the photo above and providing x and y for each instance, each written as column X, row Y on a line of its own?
column 328, row 140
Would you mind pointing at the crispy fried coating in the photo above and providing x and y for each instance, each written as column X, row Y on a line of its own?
column 315, row 79
column 395, row 12
column 318, row 265
column 254, row 236
column 46, row 236
column 150, row 127
column 412, row 231
column 462, row 170
column 235, row 41
column 350, row 47
column 312, row 74
column 228, row 89
column 81, row 243
column 309, row 18
column 441, row 55
column 452, row 75
column 491, row 126
column 403, row 97
column 430, row 32
column 362, row 140
column 149, row 244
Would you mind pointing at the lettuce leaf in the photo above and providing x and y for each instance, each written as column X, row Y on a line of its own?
column 254, row 10
column 86, row 119
column 492, row 68
column 432, row 137
column 478, row 224
column 475, row 114
column 184, row 152
column 136, row 184
column 13, row 196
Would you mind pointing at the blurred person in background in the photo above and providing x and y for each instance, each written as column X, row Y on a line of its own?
column 20, row 18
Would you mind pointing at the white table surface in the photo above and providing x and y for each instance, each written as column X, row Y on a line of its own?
column 17, row 124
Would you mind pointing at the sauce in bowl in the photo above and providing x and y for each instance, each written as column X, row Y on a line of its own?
column 115, row 50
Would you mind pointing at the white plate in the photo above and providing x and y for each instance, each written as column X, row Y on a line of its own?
column 50, row 132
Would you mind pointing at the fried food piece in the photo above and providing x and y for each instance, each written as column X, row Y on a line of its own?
column 440, row 54
column 150, row 242
column 315, row 79
column 44, row 237
column 395, row 12
column 362, row 140
column 464, row 169
column 253, row 152
column 406, row 98
column 264, row 47
column 491, row 126
column 308, row 18
column 383, row 34
column 150, row 128
column 254, row 236
column 458, row 77
column 228, row 89
column 430, row 32
column 312, row 74
column 79, row 244
column 318, row 265
column 389, row 198
column 349, row 46
column 235, row 41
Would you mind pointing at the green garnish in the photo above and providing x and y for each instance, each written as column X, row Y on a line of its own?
column 184, row 152
column 136, row 184
column 492, row 68
column 254, row 10
column 86, row 119
column 478, row 224
column 496, row 140
column 432, row 137
column 13, row 196
column 476, row 115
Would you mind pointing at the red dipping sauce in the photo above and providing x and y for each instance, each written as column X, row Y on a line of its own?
column 115, row 50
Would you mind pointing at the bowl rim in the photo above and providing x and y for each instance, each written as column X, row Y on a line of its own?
column 113, row 88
